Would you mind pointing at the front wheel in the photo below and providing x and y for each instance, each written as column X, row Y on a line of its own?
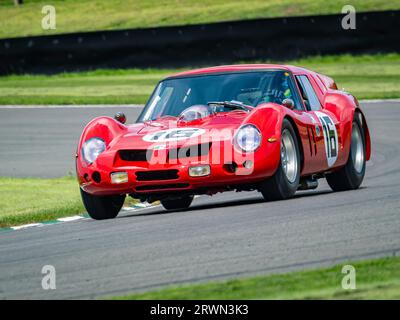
column 102, row 207
column 175, row 204
column 284, row 183
column 352, row 174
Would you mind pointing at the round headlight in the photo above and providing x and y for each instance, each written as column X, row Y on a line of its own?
column 92, row 148
column 248, row 138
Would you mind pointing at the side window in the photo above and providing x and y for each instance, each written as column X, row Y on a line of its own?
column 309, row 96
column 293, row 94
column 275, row 87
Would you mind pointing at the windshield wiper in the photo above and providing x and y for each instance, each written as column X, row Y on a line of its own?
column 231, row 104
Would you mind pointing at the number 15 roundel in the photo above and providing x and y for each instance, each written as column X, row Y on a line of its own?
column 330, row 137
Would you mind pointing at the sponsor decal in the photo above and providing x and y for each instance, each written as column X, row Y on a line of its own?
column 330, row 137
column 176, row 134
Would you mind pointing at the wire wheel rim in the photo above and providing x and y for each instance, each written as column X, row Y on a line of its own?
column 289, row 156
column 357, row 149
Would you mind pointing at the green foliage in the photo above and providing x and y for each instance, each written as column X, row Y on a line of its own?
column 92, row 15
column 367, row 77
column 375, row 279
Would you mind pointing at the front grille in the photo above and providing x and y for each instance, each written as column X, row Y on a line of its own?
column 135, row 155
column 156, row 175
column 173, row 154
column 189, row 151
column 163, row 186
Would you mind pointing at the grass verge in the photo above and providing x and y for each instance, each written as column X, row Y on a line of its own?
column 375, row 279
column 92, row 15
column 366, row 76
column 29, row 200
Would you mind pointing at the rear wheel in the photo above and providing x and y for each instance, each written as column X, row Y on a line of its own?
column 175, row 204
column 284, row 183
column 352, row 174
column 102, row 207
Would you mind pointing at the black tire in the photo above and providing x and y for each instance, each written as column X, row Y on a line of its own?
column 176, row 204
column 348, row 178
column 278, row 187
column 102, row 207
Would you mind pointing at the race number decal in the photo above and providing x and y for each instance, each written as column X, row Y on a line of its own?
column 175, row 134
column 330, row 137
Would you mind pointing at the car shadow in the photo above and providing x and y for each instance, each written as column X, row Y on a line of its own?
column 230, row 203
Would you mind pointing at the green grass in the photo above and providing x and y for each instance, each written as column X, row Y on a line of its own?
column 375, row 279
column 367, row 77
column 91, row 15
column 95, row 87
column 28, row 200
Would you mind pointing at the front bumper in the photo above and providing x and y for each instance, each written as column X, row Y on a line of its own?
column 167, row 178
column 98, row 181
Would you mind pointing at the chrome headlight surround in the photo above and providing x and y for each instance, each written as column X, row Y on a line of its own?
column 92, row 148
column 248, row 138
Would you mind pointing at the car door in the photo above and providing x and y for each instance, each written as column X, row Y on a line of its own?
column 323, row 133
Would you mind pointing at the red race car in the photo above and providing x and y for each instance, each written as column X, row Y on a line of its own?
column 272, row 128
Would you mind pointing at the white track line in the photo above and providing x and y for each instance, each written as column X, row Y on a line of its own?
column 139, row 207
column 136, row 208
column 68, row 219
column 25, row 226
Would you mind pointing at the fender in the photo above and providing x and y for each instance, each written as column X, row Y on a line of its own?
column 367, row 136
column 269, row 118
column 105, row 128
column 344, row 107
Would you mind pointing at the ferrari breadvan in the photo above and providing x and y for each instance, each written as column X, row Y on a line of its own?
column 272, row 128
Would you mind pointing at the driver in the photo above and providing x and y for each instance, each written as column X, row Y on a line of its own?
column 279, row 89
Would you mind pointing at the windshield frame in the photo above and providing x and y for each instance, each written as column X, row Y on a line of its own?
column 205, row 74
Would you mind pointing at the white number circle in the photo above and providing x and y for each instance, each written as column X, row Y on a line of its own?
column 175, row 134
column 330, row 137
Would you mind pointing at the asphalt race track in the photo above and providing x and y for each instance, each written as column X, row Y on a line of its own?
column 41, row 142
column 225, row 236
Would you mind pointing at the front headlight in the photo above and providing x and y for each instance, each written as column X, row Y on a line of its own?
column 92, row 148
column 248, row 138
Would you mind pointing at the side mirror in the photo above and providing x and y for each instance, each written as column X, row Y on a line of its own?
column 120, row 117
column 288, row 103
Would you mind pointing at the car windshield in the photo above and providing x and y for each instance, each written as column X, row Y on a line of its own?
column 174, row 95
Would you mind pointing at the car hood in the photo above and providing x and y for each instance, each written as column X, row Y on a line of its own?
column 169, row 131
